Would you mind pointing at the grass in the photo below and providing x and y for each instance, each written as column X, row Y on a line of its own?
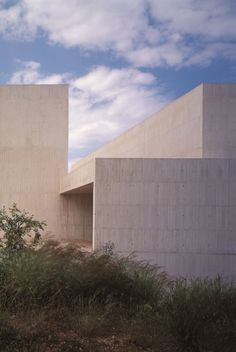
column 55, row 299
column 201, row 313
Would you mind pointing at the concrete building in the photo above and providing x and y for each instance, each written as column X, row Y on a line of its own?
column 165, row 189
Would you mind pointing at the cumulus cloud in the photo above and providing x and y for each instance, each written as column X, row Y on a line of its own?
column 29, row 73
column 103, row 103
column 211, row 19
column 144, row 32
column 108, row 101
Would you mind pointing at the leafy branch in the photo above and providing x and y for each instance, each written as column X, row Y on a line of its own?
column 20, row 230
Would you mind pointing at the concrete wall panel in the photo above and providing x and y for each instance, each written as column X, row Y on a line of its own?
column 79, row 216
column 181, row 216
column 33, row 150
column 219, row 120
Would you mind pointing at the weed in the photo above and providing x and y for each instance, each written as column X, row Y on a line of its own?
column 192, row 310
column 60, row 299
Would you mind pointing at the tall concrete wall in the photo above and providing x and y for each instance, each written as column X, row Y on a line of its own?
column 33, row 150
column 33, row 157
column 177, row 213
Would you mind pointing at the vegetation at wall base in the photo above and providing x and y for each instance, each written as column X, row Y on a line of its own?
column 55, row 298
column 61, row 299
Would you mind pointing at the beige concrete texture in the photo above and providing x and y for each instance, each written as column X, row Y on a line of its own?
column 76, row 189
column 219, row 122
column 79, row 216
column 81, row 177
column 176, row 210
column 33, row 158
column 33, row 150
column 177, row 213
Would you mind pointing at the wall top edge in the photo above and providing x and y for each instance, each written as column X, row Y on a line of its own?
column 2, row 86
column 218, row 84
column 168, row 159
column 34, row 92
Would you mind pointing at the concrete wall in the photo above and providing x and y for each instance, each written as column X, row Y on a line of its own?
column 33, row 158
column 219, row 122
column 33, row 150
column 76, row 189
column 84, row 175
column 177, row 213
column 174, row 132
column 79, row 216
column 200, row 124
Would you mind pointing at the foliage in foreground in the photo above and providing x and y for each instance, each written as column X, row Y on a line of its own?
column 63, row 297
column 57, row 278
column 18, row 227
column 201, row 315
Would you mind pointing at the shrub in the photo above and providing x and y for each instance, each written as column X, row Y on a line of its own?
column 101, row 294
column 17, row 227
column 55, row 277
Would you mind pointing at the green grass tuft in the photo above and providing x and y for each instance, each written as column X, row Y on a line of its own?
column 60, row 299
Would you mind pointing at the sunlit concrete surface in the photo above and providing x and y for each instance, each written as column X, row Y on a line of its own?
column 177, row 213
column 33, row 150
column 165, row 189
column 200, row 124
column 33, row 158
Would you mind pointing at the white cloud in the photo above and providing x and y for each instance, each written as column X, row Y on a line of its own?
column 211, row 19
column 144, row 32
column 106, row 102
column 204, row 56
column 103, row 103
column 167, row 54
column 29, row 73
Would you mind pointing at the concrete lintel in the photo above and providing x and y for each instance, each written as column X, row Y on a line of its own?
column 88, row 188
column 79, row 178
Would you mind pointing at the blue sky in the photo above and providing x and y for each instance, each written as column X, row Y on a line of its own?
column 123, row 60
